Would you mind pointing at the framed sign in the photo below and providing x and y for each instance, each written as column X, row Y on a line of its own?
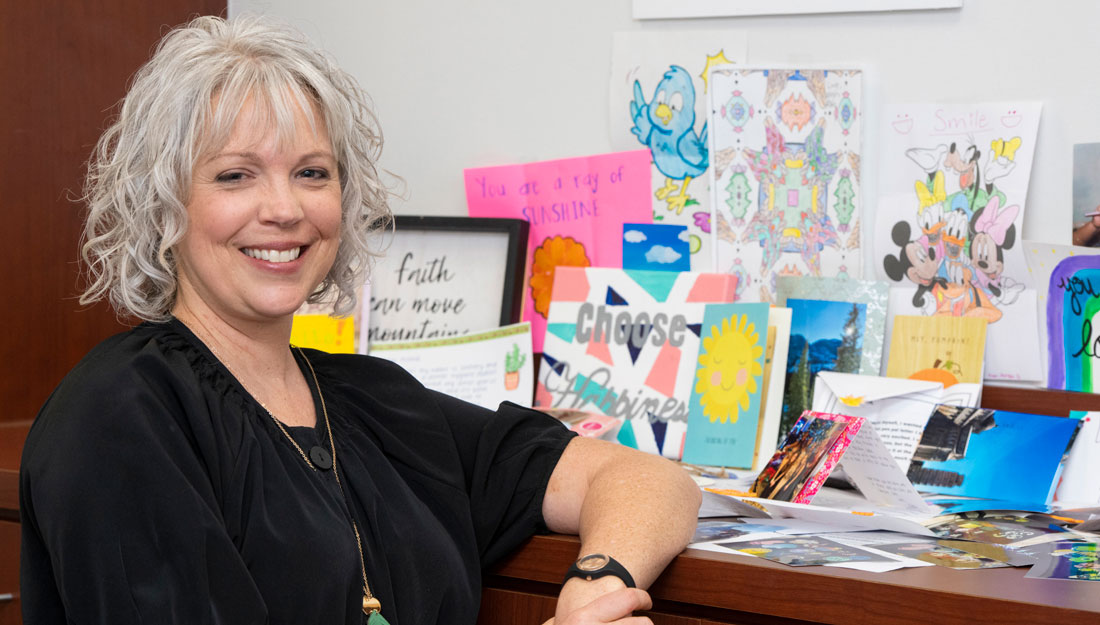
column 445, row 276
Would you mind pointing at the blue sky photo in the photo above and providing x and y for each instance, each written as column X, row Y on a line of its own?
column 818, row 319
column 1017, row 460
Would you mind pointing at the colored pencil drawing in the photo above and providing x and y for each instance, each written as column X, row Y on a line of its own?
column 953, row 247
column 665, row 123
column 785, row 174
column 658, row 101
column 950, row 210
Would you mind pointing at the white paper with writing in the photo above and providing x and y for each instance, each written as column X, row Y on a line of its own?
column 898, row 408
column 483, row 368
column 952, row 186
column 877, row 475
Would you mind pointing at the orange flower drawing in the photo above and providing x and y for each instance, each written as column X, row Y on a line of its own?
column 553, row 252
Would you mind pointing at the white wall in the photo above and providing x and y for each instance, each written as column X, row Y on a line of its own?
column 489, row 82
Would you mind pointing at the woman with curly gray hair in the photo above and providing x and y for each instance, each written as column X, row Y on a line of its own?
column 199, row 469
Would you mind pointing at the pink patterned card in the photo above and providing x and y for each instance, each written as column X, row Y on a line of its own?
column 817, row 443
column 576, row 207
column 808, row 454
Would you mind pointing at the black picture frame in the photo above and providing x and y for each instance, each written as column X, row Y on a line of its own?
column 508, row 291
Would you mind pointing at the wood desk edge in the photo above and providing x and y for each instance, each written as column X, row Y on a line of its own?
column 742, row 585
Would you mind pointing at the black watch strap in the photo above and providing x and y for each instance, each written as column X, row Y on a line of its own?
column 596, row 565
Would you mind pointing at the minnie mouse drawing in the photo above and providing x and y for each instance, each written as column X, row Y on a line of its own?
column 992, row 232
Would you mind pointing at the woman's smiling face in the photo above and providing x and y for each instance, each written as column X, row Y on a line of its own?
column 264, row 218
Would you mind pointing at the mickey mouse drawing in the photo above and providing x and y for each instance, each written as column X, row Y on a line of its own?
column 957, row 256
column 916, row 261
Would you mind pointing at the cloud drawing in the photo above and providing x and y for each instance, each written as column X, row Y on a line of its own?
column 662, row 254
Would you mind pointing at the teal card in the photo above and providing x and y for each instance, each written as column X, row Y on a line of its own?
column 724, row 412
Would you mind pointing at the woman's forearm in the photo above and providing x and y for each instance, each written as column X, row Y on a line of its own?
column 635, row 507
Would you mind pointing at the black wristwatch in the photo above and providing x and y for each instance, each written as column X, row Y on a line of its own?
column 595, row 565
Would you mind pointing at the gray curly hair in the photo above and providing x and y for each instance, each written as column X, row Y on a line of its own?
column 139, row 176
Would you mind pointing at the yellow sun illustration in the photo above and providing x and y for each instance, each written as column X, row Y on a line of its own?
column 729, row 367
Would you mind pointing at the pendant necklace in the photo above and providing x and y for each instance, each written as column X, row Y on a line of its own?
column 325, row 459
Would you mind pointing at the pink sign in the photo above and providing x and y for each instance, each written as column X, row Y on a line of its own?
column 576, row 207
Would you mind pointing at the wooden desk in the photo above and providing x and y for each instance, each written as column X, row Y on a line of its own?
column 707, row 588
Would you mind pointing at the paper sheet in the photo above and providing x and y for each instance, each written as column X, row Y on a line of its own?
column 877, row 475
column 785, row 174
column 948, row 220
column 647, row 69
column 576, row 207
column 483, row 368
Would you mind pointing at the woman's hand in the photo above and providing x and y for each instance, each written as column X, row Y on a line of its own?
column 611, row 607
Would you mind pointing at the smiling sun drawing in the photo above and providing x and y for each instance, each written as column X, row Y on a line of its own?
column 729, row 367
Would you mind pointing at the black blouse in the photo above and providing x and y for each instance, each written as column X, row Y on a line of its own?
column 155, row 489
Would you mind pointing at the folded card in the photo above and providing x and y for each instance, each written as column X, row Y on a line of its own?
column 817, row 444
column 898, row 407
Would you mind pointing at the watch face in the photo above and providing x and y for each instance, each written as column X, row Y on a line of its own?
column 592, row 562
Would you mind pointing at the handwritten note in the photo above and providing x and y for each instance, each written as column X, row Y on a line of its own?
column 484, row 368
column 576, row 208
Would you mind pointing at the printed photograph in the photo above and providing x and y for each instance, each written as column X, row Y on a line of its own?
column 725, row 529
column 940, row 555
column 974, row 452
column 825, row 336
column 1086, row 194
column 798, row 458
column 804, row 551
column 1070, row 560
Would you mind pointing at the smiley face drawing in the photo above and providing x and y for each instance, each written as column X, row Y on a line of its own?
column 903, row 124
column 729, row 368
column 1011, row 119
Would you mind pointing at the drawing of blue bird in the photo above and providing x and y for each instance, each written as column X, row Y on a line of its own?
column 666, row 124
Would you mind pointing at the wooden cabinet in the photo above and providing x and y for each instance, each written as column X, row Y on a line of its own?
column 9, row 573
